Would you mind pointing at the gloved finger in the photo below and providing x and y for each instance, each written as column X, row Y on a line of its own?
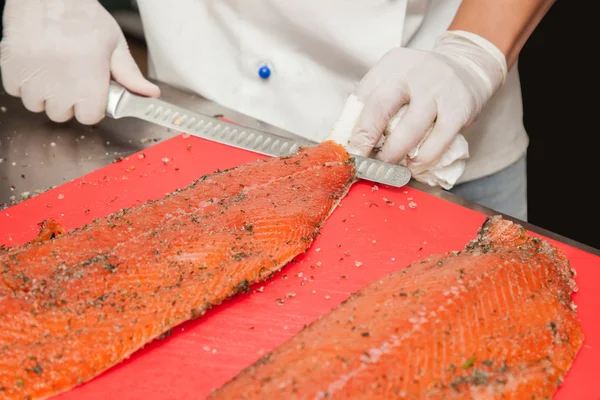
column 127, row 73
column 32, row 97
column 91, row 108
column 409, row 130
column 10, row 82
column 433, row 147
column 379, row 108
column 59, row 109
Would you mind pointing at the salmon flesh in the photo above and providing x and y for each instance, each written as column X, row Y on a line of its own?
column 73, row 305
column 492, row 321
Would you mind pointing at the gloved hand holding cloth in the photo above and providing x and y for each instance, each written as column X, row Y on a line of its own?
column 412, row 105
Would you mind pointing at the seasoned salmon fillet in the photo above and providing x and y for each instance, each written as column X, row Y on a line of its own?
column 492, row 321
column 74, row 304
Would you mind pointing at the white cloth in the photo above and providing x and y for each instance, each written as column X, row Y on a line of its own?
column 317, row 52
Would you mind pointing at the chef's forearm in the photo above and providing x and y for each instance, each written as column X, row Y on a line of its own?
column 506, row 23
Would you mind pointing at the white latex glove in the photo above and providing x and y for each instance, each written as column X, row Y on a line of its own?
column 58, row 56
column 414, row 103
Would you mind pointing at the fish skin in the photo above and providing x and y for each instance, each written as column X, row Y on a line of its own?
column 74, row 306
column 492, row 321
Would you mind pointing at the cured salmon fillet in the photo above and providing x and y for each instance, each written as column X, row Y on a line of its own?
column 73, row 306
column 492, row 321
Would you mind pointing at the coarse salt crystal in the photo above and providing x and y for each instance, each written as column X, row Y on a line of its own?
column 412, row 204
column 300, row 274
column 374, row 241
column 393, row 258
column 401, row 206
column 409, row 198
column 317, row 249
column 314, row 291
column 61, row 196
column 165, row 160
column 357, row 263
column 318, row 263
column 327, row 297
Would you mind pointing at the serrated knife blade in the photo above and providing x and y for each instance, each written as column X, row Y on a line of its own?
column 122, row 103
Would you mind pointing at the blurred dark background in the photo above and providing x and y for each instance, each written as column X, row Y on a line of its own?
column 560, row 95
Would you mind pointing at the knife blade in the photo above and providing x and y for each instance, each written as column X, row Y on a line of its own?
column 122, row 103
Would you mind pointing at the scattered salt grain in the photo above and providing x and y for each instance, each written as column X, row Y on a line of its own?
column 412, row 204
column 314, row 291
column 406, row 192
column 327, row 297
column 409, row 198
column 425, row 242
column 357, row 263
column 374, row 241
column 165, row 160
column 61, row 196
column 401, row 206
column 260, row 289
column 14, row 164
column 290, row 295
column 317, row 249
column 318, row 263
column 300, row 274
column 393, row 259
column 279, row 302
column 52, row 144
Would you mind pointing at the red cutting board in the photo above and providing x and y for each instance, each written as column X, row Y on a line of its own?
column 378, row 227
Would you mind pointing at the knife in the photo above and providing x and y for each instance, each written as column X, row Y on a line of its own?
column 122, row 103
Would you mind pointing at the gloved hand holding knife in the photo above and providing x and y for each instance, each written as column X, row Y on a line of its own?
column 59, row 55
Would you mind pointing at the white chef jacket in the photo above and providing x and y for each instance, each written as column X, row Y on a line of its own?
column 316, row 52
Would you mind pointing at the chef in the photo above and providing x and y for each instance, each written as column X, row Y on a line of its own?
column 431, row 84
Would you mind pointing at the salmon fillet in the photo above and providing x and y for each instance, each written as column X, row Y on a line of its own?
column 492, row 321
column 73, row 306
